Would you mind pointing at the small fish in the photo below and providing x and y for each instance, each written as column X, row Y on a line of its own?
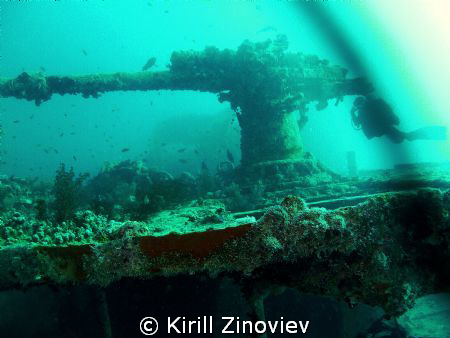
column 84, row 52
column 16, row 121
column 182, row 160
column 55, row 151
column 230, row 156
column 163, row 144
column 61, row 135
column 124, row 150
column 42, row 69
column 32, row 116
column 65, row 114
column 196, row 152
column 74, row 157
column 149, row 64
column 182, row 150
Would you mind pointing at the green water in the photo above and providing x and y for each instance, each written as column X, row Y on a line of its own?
column 98, row 173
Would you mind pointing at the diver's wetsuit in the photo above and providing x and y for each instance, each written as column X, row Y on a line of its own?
column 376, row 119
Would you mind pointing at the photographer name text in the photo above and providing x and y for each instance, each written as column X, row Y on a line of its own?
column 227, row 325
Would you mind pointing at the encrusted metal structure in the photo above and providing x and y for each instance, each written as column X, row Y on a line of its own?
column 387, row 250
column 263, row 83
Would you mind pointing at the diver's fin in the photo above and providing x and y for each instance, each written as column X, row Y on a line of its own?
column 435, row 133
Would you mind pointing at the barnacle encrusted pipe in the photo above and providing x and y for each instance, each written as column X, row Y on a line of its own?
column 263, row 83
column 198, row 71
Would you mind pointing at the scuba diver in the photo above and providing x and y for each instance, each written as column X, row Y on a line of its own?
column 376, row 118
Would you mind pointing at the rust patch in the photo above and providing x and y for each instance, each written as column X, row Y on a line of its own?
column 197, row 244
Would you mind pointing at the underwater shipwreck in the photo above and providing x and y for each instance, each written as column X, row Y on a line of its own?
column 278, row 220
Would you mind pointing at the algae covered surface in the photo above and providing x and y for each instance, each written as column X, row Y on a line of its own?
column 88, row 228
column 376, row 252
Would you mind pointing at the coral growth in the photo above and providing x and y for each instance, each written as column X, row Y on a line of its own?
column 67, row 192
column 386, row 251
column 129, row 190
